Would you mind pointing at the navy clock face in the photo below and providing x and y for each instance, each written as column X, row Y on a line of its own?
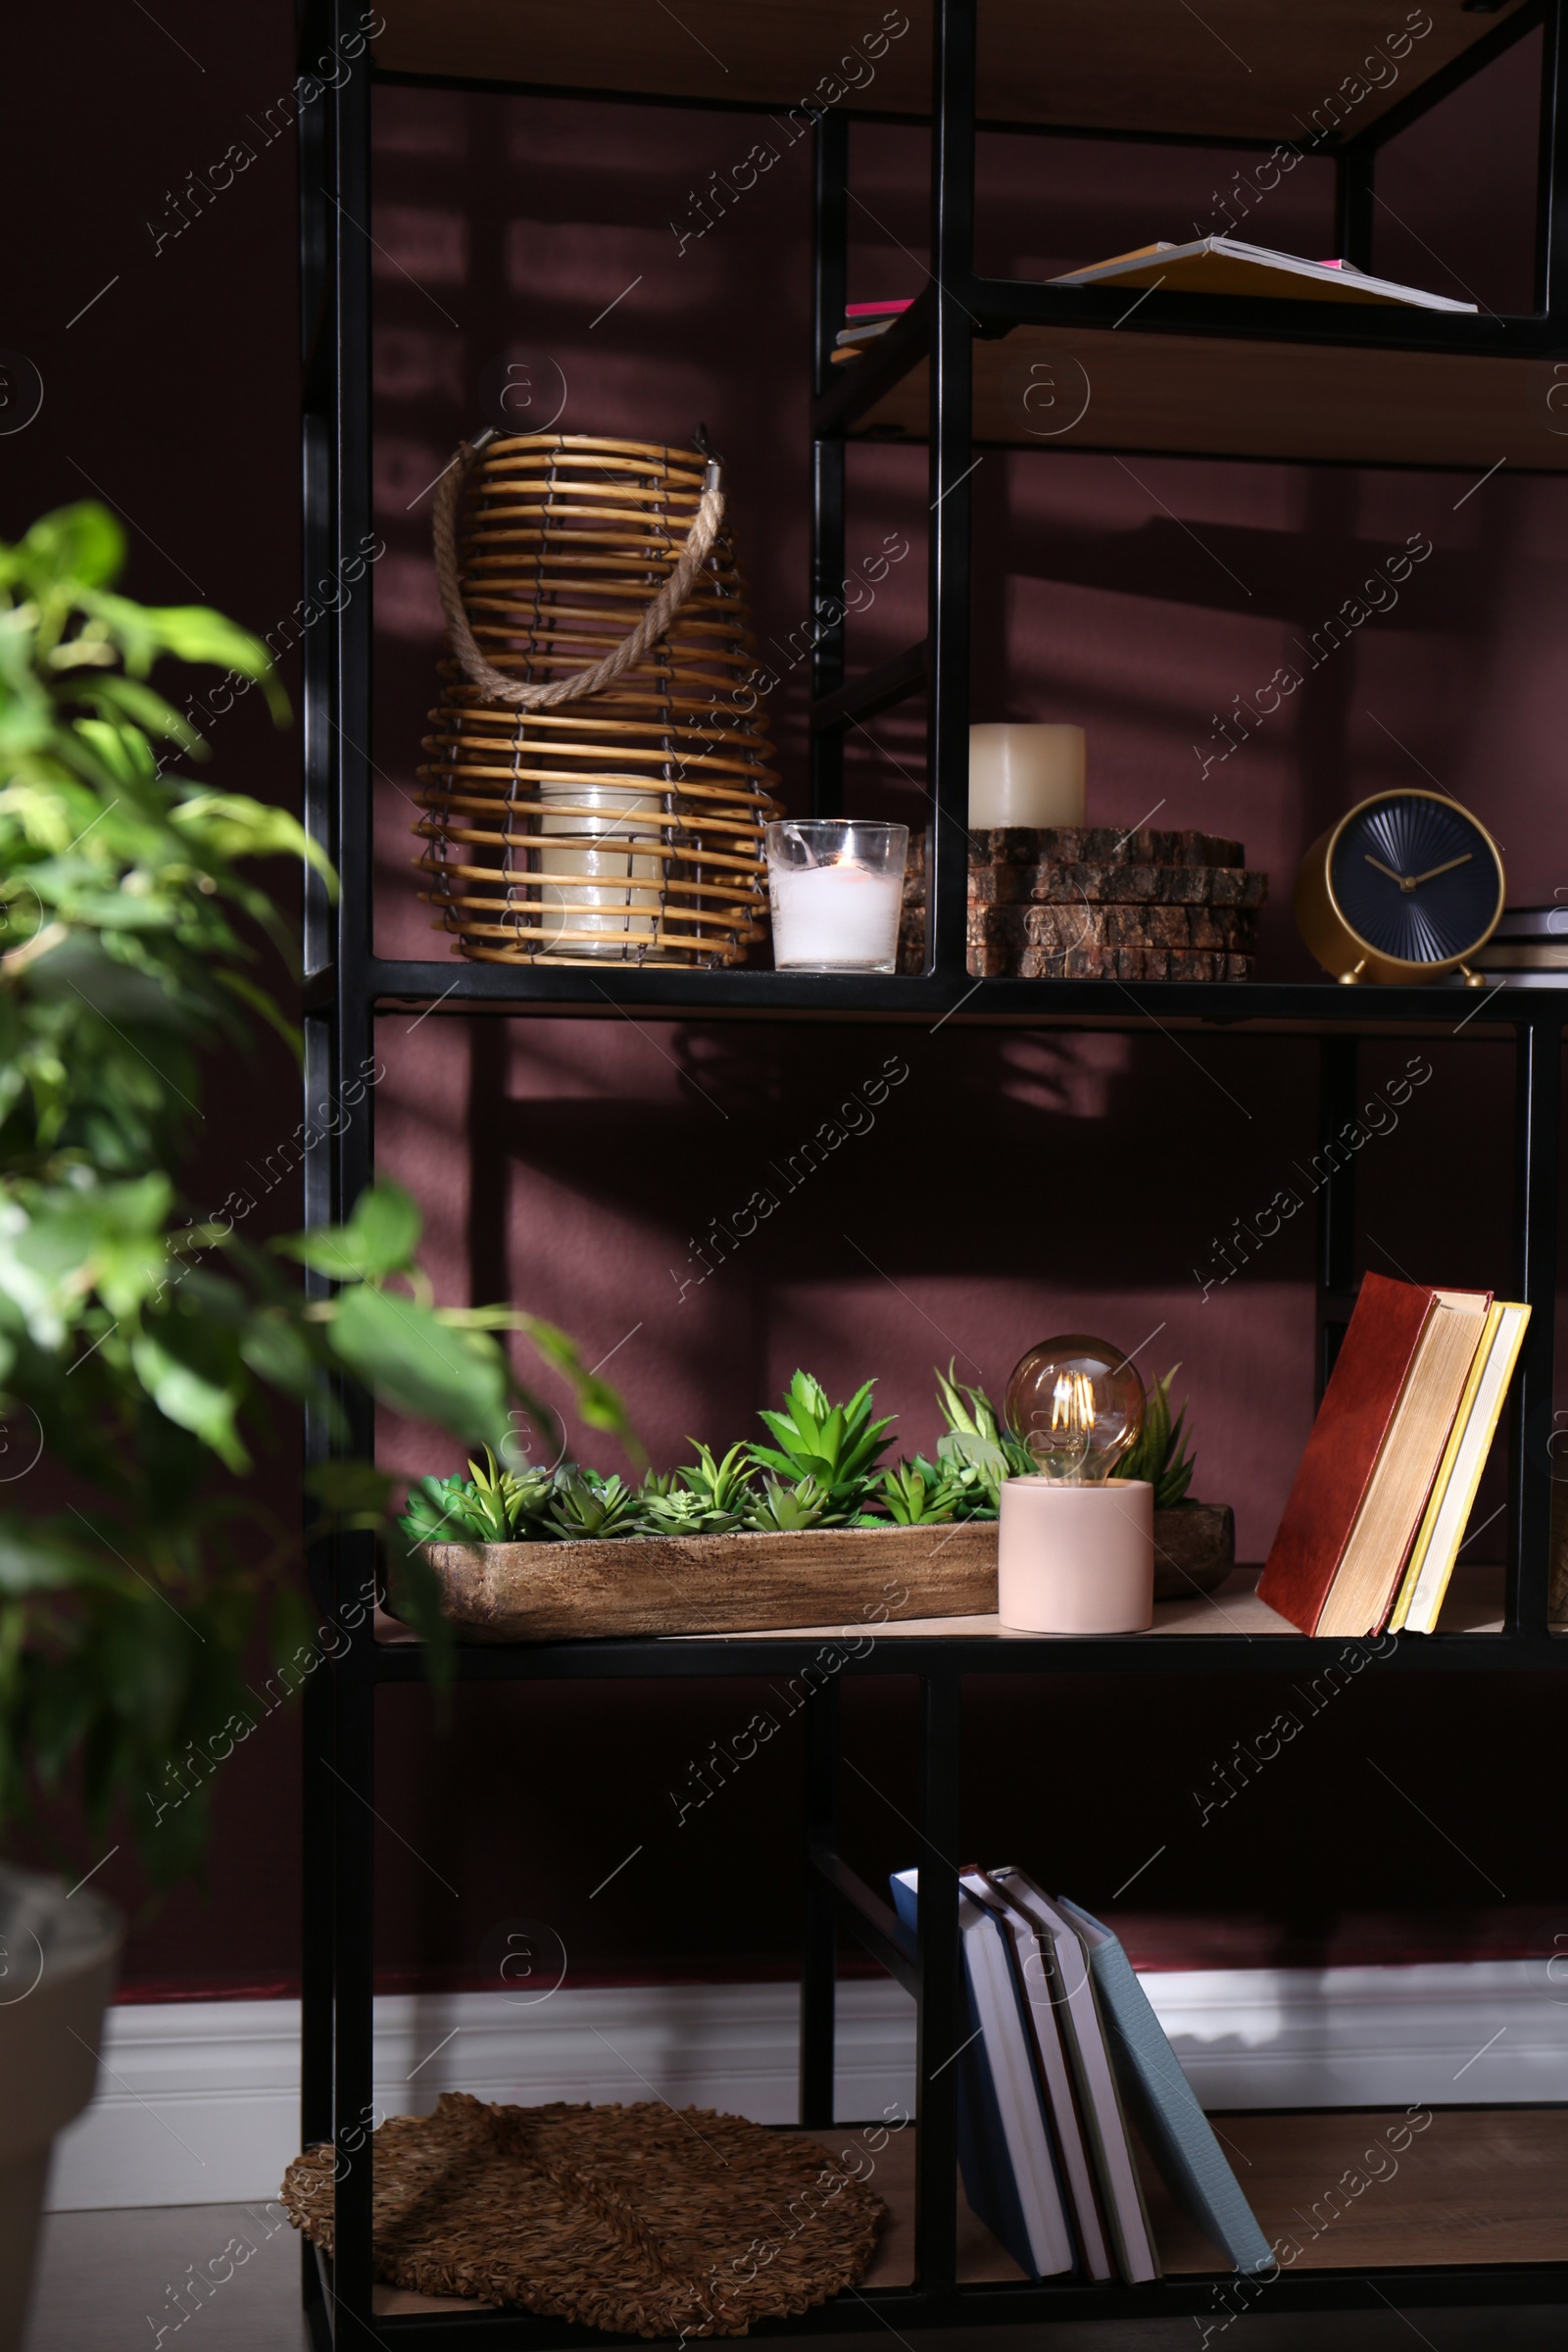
column 1415, row 877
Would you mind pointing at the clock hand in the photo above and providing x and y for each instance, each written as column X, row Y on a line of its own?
column 1402, row 879
column 1434, row 870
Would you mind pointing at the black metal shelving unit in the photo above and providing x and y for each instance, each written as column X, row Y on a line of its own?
column 945, row 339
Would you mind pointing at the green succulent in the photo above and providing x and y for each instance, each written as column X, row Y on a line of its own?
column 712, row 1499
column 783, row 1510
column 977, row 1454
column 920, row 1493
column 672, row 1513
column 511, row 1500
column 834, row 1446
column 491, row 1506
column 437, row 1511
column 587, row 1508
column 1158, row 1454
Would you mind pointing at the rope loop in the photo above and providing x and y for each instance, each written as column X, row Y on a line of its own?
column 515, row 692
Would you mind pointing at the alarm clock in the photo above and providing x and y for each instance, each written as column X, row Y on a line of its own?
column 1405, row 887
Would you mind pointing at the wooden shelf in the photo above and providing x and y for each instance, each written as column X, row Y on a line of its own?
column 1478, row 2185
column 1221, row 396
column 1236, row 70
column 1473, row 1605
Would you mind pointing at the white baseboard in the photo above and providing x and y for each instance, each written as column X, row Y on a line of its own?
column 198, row 2102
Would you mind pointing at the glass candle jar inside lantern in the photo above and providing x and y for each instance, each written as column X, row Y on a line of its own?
column 600, row 870
column 836, row 889
column 1078, row 1404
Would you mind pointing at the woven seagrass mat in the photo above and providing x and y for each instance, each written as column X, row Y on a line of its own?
column 637, row 2220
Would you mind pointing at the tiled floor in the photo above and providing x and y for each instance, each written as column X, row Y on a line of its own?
column 113, row 2281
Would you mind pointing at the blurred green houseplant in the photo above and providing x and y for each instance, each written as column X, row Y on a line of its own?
column 139, row 1345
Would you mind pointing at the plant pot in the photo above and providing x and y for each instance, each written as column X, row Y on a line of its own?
column 1194, row 1549
column 59, row 1960
column 849, row 1575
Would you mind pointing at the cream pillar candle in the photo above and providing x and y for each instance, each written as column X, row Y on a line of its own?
column 1026, row 775
column 1076, row 1559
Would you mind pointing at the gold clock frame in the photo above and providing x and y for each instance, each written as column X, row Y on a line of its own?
column 1333, row 940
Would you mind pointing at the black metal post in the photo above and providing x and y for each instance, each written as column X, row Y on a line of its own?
column 819, row 1937
column 830, row 231
column 318, row 663
column 317, row 1712
column 1334, row 1174
column 342, row 752
column 352, row 1772
column 1353, row 168
column 943, row 2027
column 1551, row 175
column 1538, row 1110
column 951, row 465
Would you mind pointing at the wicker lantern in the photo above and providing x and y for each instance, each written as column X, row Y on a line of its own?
column 599, row 774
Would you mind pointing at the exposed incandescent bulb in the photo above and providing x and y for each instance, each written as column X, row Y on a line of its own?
column 1078, row 1405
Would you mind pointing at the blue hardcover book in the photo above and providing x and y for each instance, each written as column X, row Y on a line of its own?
column 1179, row 2134
column 1002, row 2132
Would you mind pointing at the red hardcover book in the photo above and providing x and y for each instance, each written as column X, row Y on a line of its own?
column 1374, row 1361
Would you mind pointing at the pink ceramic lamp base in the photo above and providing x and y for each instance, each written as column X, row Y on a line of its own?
column 1076, row 1559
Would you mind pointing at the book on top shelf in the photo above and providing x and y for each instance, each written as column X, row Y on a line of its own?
column 1230, row 265
column 863, row 321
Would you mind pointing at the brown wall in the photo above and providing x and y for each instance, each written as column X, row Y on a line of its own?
column 1010, row 1185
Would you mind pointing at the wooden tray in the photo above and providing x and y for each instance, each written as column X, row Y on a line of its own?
column 716, row 1584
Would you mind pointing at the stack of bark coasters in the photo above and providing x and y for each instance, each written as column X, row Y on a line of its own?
column 1092, row 903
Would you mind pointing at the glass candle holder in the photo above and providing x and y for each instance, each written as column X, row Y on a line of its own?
column 836, row 887
column 601, row 875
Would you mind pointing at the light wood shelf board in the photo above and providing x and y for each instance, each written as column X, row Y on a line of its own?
column 1189, row 395
column 1473, row 1605
column 1246, row 68
column 1478, row 2184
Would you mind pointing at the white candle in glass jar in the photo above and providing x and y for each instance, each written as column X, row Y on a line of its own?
column 836, row 916
column 1026, row 775
column 600, row 895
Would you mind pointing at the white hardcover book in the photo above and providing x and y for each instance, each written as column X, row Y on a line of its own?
column 1073, row 1994
column 1036, row 1974
column 1012, row 2075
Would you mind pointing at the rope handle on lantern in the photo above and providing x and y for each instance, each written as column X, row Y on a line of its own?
column 655, row 621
